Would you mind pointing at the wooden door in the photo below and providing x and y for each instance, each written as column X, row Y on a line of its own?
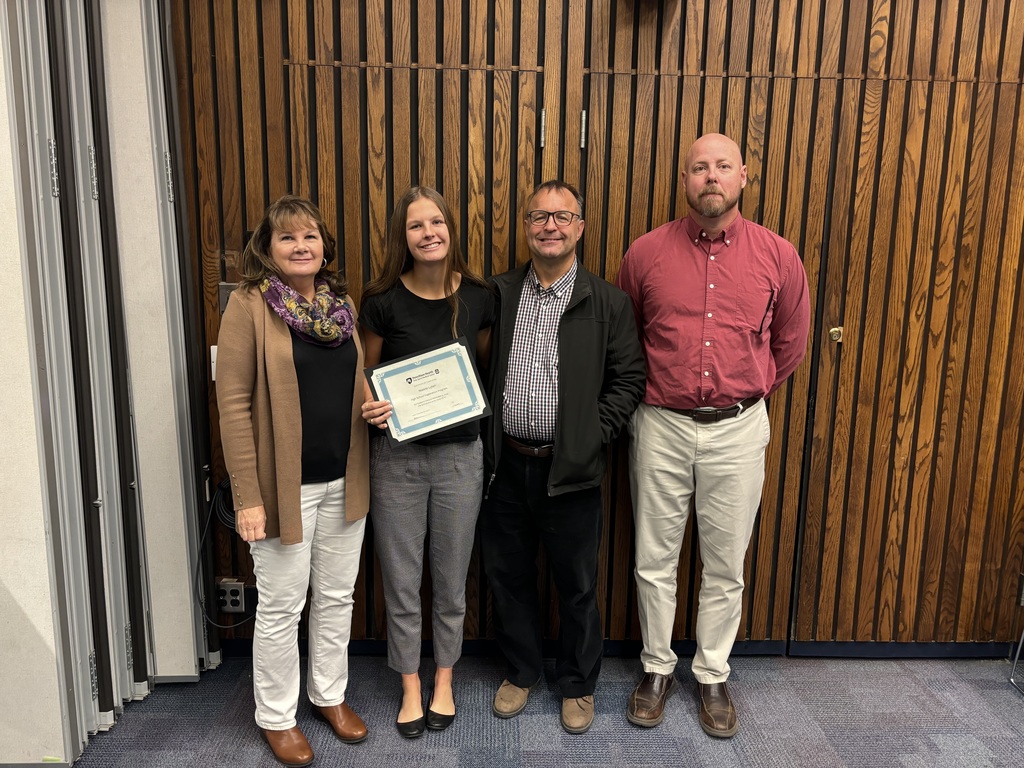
column 914, row 495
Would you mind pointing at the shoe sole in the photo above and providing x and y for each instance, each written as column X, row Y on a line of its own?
column 648, row 723
column 439, row 726
column 583, row 729
column 719, row 734
column 506, row 715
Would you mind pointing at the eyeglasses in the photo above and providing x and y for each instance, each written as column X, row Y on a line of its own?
column 562, row 218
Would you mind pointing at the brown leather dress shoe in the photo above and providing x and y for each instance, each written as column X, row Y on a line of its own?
column 348, row 726
column 647, row 702
column 717, row 714
column 289, row 747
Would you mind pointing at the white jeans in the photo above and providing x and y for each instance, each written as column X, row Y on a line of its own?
column 721, row 467
column 328, row 559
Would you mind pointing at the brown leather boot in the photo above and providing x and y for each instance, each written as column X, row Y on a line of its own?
column 717, row 714
column 647, row 702
column 347, row 725
column 289, row 746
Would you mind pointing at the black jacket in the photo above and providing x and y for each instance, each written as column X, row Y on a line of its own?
column 601, row 376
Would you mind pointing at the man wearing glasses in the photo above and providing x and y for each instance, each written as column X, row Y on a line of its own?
column 566, row 373
column 722, row 308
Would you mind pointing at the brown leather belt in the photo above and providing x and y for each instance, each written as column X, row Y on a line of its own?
column 711, row 415
column 533, row 451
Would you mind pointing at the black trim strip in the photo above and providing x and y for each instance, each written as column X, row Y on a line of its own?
column 77, row 317
column 872, row 650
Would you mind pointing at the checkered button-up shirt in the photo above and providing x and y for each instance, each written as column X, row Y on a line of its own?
column 530, row 403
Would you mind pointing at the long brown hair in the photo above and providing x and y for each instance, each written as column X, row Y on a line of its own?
column 257, row 263
column 398, row 260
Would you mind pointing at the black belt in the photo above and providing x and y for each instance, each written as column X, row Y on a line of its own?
column 539, row 451
column 711, row 415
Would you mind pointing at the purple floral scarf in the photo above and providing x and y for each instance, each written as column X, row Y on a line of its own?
column 327, row 320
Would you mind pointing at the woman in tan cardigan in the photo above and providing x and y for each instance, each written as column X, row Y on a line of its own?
column 289, row 389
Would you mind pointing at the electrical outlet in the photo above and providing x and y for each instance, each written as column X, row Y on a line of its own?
column 231, row 595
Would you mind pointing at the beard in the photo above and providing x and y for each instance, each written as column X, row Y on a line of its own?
column 711, row 206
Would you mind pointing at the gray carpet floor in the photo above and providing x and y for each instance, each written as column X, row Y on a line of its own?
column 792, row 712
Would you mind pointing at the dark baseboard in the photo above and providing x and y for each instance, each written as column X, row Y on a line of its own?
column 686, row 648
column 855, row 650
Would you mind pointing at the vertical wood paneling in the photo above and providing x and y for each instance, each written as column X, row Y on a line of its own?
column 915, row 442
column 527, row 121
column 275, row 115
column 575, row 24
column 502, row 216
column 882, row 139
column 597, row 149
column 252, row 114
column 401, row 115
column 553, row 88
column 995, row 292
column 299, row 74
column 936, row 241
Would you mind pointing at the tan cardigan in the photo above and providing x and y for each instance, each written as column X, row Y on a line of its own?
column 260, row 421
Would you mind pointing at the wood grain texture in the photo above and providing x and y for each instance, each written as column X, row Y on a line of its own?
column 882, row 139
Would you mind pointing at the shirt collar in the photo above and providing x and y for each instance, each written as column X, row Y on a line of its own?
column 693, row 229
column 561, row 284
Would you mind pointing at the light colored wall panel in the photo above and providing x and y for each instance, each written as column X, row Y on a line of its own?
column 136, row 197
column 30, row 726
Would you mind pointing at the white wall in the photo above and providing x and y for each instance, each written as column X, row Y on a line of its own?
column 30, row 707
column 136, row 198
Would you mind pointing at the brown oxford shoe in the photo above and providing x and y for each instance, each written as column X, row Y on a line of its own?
column 289, row 747
column 647, row 702
column 717, row 714
column 348, row 726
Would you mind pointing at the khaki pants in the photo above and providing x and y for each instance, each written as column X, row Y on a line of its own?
column 721, row 467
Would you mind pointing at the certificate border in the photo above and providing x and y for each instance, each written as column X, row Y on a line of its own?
column 398, row 433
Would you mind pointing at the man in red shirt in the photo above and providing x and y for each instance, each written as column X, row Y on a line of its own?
column 722, row 309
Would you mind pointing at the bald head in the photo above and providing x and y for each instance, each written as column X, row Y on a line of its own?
column 716, row 144
column 714, row 175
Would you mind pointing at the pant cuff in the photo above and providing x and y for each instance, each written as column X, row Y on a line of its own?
column 660, row 669
column 706, row 679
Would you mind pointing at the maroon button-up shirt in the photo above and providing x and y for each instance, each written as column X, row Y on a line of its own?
column 720, row 320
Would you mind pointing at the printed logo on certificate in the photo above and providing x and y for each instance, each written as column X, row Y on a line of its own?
column 429, row 391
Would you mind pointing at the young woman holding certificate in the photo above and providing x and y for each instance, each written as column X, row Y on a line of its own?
column 425, row 296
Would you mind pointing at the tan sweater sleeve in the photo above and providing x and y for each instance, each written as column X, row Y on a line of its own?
column 236, row 378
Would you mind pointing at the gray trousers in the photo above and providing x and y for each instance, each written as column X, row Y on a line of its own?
column 415, row 489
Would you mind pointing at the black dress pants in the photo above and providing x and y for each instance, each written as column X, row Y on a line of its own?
column 515, row 518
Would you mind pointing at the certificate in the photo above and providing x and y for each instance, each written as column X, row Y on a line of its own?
column 429, row 391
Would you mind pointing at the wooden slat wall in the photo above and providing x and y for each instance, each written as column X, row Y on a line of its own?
column 880, row 138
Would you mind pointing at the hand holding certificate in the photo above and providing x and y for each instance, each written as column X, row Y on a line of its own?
column 430, row 391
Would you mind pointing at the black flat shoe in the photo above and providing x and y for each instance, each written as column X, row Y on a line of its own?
column 438, row 722
column 412, row 729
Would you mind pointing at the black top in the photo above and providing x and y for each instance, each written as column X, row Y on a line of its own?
column 327, row 378
column 410, row 324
